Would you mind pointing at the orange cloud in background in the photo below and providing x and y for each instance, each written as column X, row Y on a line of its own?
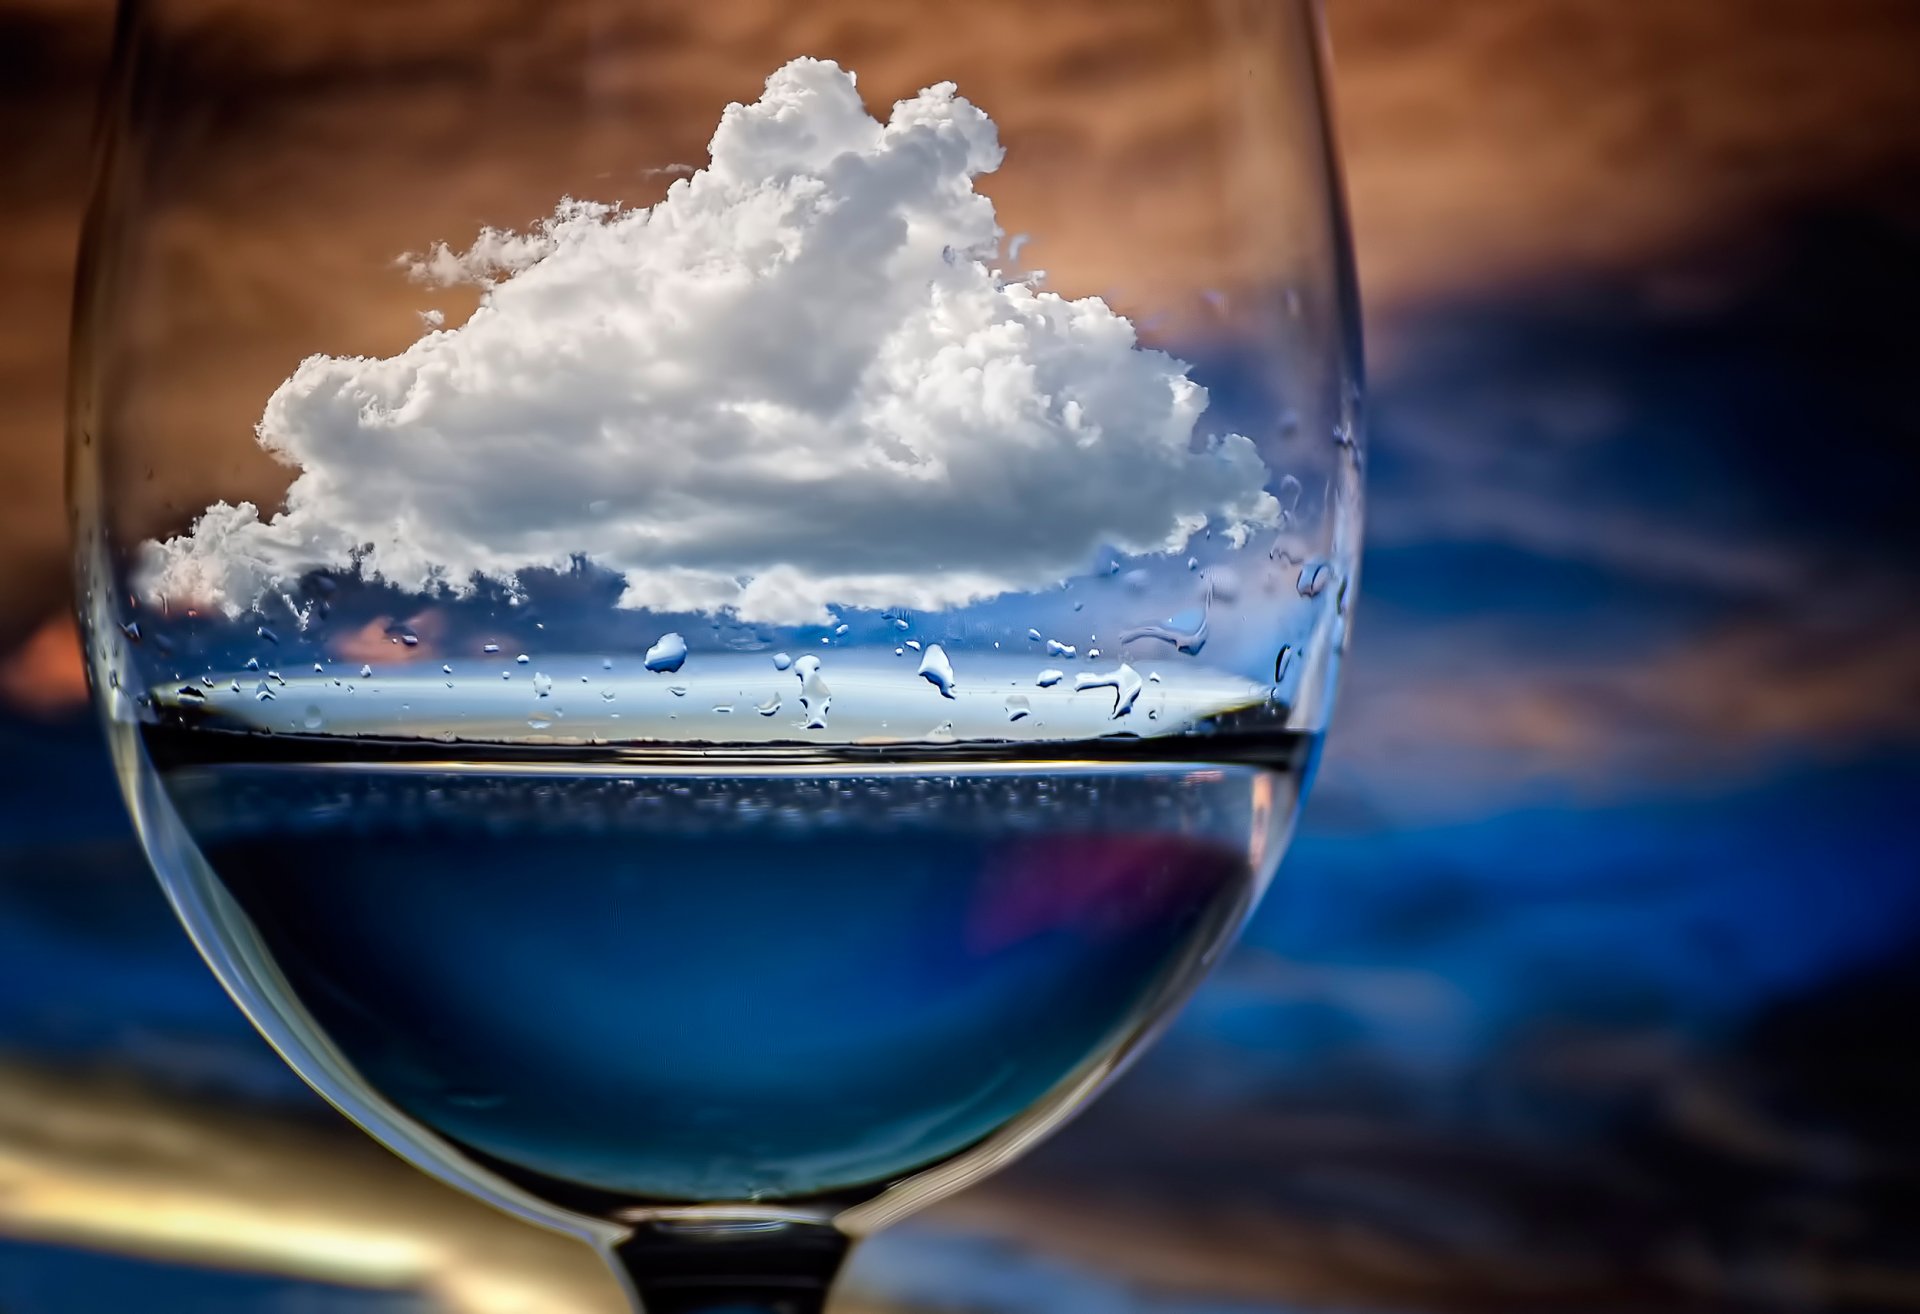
column 44, row 675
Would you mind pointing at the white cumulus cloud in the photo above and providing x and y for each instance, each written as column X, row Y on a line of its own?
column 796, row 381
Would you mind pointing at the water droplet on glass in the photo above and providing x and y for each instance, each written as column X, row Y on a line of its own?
column 942, row 733
column 266, row 632
column 189, row 694
column 606, row 695
column 542, row 684
column 410, row 640
column 606, row 663
column 314, row 719
column 781, row 661
column 840, row 629
column 1193, row 563
column 445, row 669
column 540, row 721
column 1186, row 641
column 262, row 694
column 490, row 648
column 132, row 630
column 1034, row 635
column 1018, row 706
column 937, row 670
column 914, row 644
column 899, row 623
column 278, row 678
column 522, row 659
column 1125, row 683
column 235, row 686
column 1055, row 648
column 669, row 653
column 1280, row 660
column 1287, row 493
column 677, row 690
column 1049, row 677
column 366, row 672
column 1314, row 578
column 898, row 652
column 769, row 707
column 207, row 680
column 815, row 696
column 317, row 670
column 253, row 664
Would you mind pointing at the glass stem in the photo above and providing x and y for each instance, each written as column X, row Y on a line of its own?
column 760, row 1268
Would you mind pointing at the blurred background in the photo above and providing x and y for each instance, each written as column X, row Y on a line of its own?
column 1593, row 981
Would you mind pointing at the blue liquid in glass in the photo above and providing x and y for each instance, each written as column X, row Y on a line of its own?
column 708, row 987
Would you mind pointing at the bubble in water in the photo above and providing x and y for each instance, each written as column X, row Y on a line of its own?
column 540, row 721
column 314, row 718
column 1055, row 648
column 781, row 661
column 937, row 670
column 1049, row 677
column 490, row 648
column 1125, row 683
column 522, row 659
column 542, row 684
column 669, row 653
column 1314, row 578
column 1018, row 706
column 771, row 706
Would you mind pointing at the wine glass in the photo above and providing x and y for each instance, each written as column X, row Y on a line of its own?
column 710, row 613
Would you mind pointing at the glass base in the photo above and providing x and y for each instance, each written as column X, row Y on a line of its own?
column 732, row 1268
